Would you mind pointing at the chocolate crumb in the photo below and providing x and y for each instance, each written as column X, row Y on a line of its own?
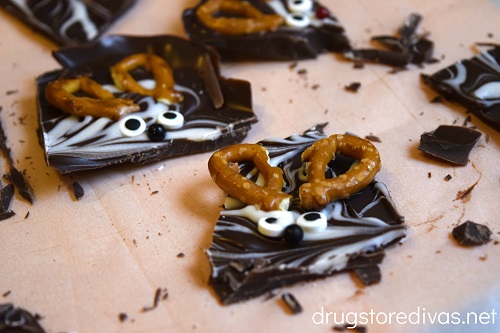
column 471, row 233
column 429, row 175
column 154, row 192
column 489, row 34
column 353, row 87
column 496, row 242
column 448, row 177
column 483, row 258
column 359, row 65
column 12, row 92
column 302, row 71
column 293, row 65
column 181, row 255
column 368, row 275
column 339, row 328
column 291, row 302
column 27, row 215
column 7, row 293
column 122, row 317
column 348, row 327
column 315, row 86
column 373, row 138
column 78, row 191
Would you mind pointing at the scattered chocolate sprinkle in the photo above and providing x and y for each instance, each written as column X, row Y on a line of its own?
column 302, row 71
column 78, row 190
column 181, row 255
column 489, row 34
column 157, row 297
column 122, row 317
column 12, row 92
column 27, row 215
column 448, row 177
column 154, row 192
column 471, row 233
column 359, row 65
column 373, row 138
column 429, row 175
column 353, row 87
column 292, row 303
column 315, row 86
column 7, row 293
column 450, row 143
column 368, row 275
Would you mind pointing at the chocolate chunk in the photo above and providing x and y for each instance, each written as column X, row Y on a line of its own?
column 122, row 317
column 216, row 111
column 450, row 143
column 6, row 196
column 21, row 184
column 471, row 233
column 353, row 87
column 406, row 48
column 324, row 33
column 246, row 264
column 68, row 22
column 473, row 83
column 78, row 191
column 447, row 177
column 292, row 303
column 368, row 275
column 17, row 320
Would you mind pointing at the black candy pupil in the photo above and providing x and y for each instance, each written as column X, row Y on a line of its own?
column 293, row 234
column 271, row 220
column 298, row 17
column 169, row 115
column 133, row 124
column 156, row 132
column 312, row 216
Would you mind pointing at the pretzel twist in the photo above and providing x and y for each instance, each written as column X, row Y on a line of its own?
column 318, row 192
column 164, row 89
column 268, row 197
column 102, row 103
column 249, row 19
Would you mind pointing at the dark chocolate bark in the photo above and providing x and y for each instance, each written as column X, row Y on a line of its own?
column 324, row 34
column 450, row 143
column 246, row 264
column 217, row 111
column 474, row 83
column 68, row 22
column 17, row 320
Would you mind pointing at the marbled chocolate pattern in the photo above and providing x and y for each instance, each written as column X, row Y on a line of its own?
column 246, row 264
column 474, row 83
column 68, row 21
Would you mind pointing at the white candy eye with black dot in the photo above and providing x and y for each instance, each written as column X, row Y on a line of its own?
column 298, row 20
column 300, row 6
column 312, row 222
column 273, row 226
column 171, row 119
column 132, row 126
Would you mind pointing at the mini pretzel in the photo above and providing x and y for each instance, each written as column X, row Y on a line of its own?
column 268, row 197
column 248, row 19
column 102, row 103
column 164, row 89
column 318, row 192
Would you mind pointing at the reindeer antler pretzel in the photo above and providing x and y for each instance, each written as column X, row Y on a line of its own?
column 268, row 197
column 102, row 103
column 249, row 19
column 318, row 192
column 164, row 89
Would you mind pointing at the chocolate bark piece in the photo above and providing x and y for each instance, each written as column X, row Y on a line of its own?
column 408, row 47
column 17, row 320
column 324, row 34
column 450, row 143
column 217, row 111
column 68, row 22
column 246, row 264
column 78, row 191
column 470, row 233
column 474, row 83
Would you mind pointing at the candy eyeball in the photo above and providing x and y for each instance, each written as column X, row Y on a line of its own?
column 300, row 6
column 131, row 126
column 312, row 222
column 298, row 20
column 273, row 226
column 171, row 119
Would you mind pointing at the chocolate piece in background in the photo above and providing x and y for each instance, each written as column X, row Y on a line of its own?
column 17, row 320
column 68, row 22
column 474, row 83
column 470, row 233
column 450, row 143
column 324, row 34
column 292, row 303
column 245, row 264
column 406, row 48
column 217, row 111
column 78, row 191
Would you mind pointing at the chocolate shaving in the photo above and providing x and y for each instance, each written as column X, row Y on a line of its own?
column 353, row 87
column 292, row 303
column 471, row 234
column 465, row 193
column 78, row 190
